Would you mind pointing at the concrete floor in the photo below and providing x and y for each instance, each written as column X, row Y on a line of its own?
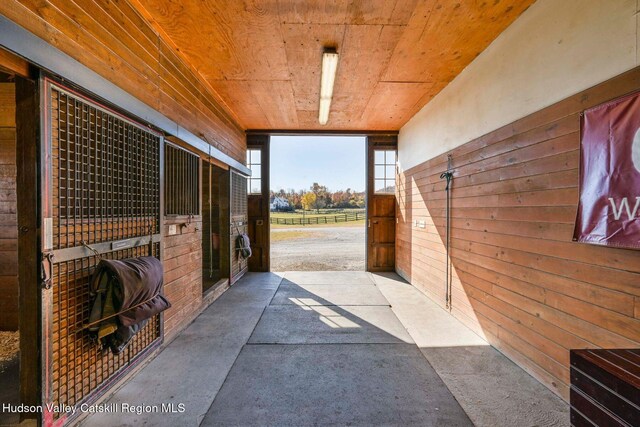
column 10, row 389
column 332, row 348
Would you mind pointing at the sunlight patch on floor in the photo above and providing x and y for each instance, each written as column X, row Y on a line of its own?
column 327, row 316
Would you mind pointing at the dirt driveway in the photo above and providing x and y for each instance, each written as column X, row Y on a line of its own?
column 317, row 249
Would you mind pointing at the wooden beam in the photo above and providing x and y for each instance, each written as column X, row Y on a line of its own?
column 13, row 64
column 28, row 179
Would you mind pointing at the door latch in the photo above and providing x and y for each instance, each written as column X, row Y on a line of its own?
column 46, row 270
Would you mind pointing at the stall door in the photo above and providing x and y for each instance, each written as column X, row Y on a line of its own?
column 102, row 183
column 381, row 204
column 258, row 199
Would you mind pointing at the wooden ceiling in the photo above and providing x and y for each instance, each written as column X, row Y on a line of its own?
column 262, row 58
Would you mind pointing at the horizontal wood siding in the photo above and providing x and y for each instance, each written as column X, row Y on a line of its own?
column 111, row 38
column 182, row 273
column 8, row 211
column 518, row 279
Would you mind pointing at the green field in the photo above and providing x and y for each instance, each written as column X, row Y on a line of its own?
column 359, row 223
column 324, row 217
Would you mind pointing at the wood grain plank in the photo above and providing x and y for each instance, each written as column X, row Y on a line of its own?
column 517, row 276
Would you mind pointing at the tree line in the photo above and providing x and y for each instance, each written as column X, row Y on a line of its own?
column 319, row 197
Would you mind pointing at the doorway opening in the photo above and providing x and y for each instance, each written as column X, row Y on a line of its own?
column 9, row 286
column 318, row 203
column 215, row 227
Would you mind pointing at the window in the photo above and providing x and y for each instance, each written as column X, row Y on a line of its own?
column 181, row 182
column 254, row 162
column 385, row 171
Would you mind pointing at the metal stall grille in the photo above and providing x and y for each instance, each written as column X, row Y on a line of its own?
column 105, row 193
column 182, row 181
column 239, row 218
column 238, row 197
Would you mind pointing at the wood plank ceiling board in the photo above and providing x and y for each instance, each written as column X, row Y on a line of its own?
column 277, row 102
column 304, row 46
column 233, row 92
column 443, row 37
column 366, row 53
column 262, row 59
column 393, row 102
column 356, row 12
column 332, row 12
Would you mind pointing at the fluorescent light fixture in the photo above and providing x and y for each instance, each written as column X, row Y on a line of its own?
column 327, row 79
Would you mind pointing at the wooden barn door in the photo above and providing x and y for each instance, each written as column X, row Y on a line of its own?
column 258, row 199
column 381, row 202
column 101, row 195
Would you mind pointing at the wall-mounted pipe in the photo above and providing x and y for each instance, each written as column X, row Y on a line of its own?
column 448, row 175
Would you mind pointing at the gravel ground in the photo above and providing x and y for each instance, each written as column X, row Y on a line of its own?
column 326, row 248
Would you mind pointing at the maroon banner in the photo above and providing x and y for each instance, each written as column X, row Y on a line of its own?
column 609, row 209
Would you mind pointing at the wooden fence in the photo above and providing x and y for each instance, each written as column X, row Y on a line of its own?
column 326, row 219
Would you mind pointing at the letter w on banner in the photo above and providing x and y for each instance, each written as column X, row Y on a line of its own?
column 609, row 209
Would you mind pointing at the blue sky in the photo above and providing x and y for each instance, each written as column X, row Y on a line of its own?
column 335, row 161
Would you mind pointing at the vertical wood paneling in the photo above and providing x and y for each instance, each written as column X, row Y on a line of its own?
column 518, row 278
column 8, row 211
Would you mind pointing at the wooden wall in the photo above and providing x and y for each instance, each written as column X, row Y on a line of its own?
column 8, row 211
column 111, row 38
column 518, row 278
column 182, row 273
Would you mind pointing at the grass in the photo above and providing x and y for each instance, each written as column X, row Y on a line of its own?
column 359, row 223
column 326, row 218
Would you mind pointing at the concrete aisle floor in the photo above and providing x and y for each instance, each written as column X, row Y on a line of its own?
column 10, row 389
column 332, row 348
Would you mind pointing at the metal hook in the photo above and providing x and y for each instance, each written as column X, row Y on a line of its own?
column 94, row 250
column 448, row 174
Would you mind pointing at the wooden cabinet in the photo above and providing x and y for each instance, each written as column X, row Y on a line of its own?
column 605, row 388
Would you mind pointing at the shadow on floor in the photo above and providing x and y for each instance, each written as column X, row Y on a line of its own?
column 326, row 348
column 9, row 389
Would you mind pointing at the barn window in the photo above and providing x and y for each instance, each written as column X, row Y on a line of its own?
column 254, row 184
column 385, row 171
column 181, row 182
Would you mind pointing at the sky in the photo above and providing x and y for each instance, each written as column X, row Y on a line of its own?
column 335, row 161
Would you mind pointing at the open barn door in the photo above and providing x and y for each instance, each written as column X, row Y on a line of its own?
column 381, row 202
column 258, row 199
